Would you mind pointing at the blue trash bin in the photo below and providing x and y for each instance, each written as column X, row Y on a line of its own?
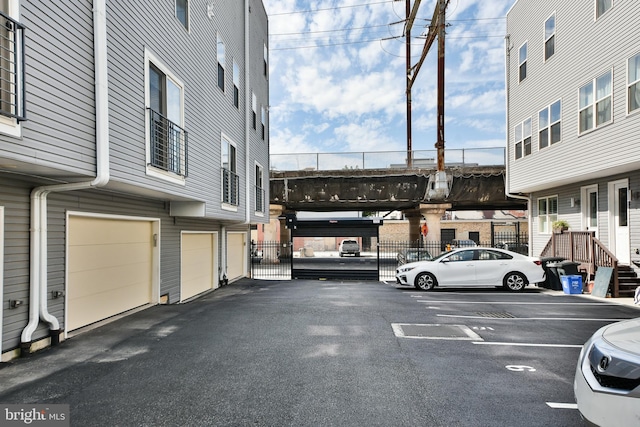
column 571, row 284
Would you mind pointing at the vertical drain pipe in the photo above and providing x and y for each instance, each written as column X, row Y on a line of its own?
column 38, row 308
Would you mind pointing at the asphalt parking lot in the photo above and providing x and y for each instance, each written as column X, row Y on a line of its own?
column 302, row 353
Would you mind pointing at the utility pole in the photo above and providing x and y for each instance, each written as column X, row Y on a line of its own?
column 442, row 4
column 436, row 29
column 407, row 34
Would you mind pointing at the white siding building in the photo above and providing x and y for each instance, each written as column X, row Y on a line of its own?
column 573, row 118
column 131, row 161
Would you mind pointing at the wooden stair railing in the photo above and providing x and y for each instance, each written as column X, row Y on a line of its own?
column 583, row 247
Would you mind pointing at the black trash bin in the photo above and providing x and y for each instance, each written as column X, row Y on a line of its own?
column 552, row 278
column 568, row 268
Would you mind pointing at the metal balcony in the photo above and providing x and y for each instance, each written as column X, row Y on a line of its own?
column 168, row 144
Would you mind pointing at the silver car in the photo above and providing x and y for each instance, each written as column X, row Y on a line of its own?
column 607, row 380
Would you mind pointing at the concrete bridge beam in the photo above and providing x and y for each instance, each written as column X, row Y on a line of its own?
column 432, row 213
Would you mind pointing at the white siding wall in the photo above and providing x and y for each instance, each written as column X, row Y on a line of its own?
column 584, row 48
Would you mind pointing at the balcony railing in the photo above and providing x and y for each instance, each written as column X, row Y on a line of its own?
column 230, row 187
column 12, row 89
column 168, row 144
column 259, row 199
column 420, row 159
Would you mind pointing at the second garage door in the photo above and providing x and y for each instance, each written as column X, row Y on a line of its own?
column 198, row 267
column 109, row 268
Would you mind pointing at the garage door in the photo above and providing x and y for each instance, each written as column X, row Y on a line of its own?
column 109, row 268
column 198, row 271
column 236, row 255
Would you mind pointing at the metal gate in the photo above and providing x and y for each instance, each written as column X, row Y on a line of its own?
column 271, row 260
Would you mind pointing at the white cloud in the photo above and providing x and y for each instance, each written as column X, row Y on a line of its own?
column 348, row 92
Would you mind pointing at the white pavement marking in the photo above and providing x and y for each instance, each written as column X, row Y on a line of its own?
column 522, row 344
column 556, row 405
column 530, row 318
column 513, row 302
column 470, row 335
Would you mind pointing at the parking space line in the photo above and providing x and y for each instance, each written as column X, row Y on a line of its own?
column 532, row 318
column 556, row 405
column 514, row 302
column 522, row 344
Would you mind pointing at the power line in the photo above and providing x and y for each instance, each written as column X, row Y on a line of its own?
column 369, row 26
column 326, row 45
column 379, row 40
column 329, row 8
column 331, row 31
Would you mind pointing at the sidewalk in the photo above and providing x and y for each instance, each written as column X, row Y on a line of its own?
column 621, row 301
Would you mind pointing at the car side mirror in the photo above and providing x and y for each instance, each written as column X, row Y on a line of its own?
column 445, row 260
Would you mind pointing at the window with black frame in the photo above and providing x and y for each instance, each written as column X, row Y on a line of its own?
column 167, row 138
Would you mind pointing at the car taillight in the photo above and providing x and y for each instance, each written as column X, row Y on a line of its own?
column 537, row 262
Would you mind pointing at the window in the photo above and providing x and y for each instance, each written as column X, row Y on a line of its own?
column 602, row 6
column 182, row 12
column 230, row 179
column 549, row 125
column 12, row 78
column 167, row 139
column 221, row 54
column 523, row 139
column 595, row 103
column 550, row 37
column 263, row 115
column 259, row 189
column 254, row 110
column 236, row 84
column 265, row 60
column 547, row 213
column 522, row 62
column 633, row 83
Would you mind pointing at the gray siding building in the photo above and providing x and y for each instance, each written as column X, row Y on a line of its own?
column 134, row 156
column 573, row 118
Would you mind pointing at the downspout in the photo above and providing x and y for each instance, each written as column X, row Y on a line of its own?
column 38, row 308
column 507, row 73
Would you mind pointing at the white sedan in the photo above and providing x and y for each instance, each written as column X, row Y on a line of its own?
column 607, row 380
column 474, row 266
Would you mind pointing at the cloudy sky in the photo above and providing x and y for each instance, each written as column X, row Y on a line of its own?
column 337, row 75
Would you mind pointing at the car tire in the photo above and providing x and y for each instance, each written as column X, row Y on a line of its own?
column 425, row 281
column 514, row 281
column 357, row 254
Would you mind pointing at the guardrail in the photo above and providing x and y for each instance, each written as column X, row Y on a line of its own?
column 420, row 159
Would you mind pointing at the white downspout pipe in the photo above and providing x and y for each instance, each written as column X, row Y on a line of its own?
column 38, row 308
column 507, row 193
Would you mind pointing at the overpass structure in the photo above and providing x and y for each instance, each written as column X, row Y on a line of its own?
column 411, row 190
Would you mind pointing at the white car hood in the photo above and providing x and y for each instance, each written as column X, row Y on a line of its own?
column 624, row 335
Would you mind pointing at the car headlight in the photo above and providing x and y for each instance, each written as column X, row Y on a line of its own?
column 405, row 269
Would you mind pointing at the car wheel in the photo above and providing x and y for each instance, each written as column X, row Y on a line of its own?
column 425, row 281
column 515, row 281
column 358, row 254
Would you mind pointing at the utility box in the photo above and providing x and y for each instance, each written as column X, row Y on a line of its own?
column 571, row 284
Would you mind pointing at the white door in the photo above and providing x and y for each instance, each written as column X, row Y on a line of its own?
column 590, row 208
column 458, row 269
column 236, row 255
column 619, row 217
